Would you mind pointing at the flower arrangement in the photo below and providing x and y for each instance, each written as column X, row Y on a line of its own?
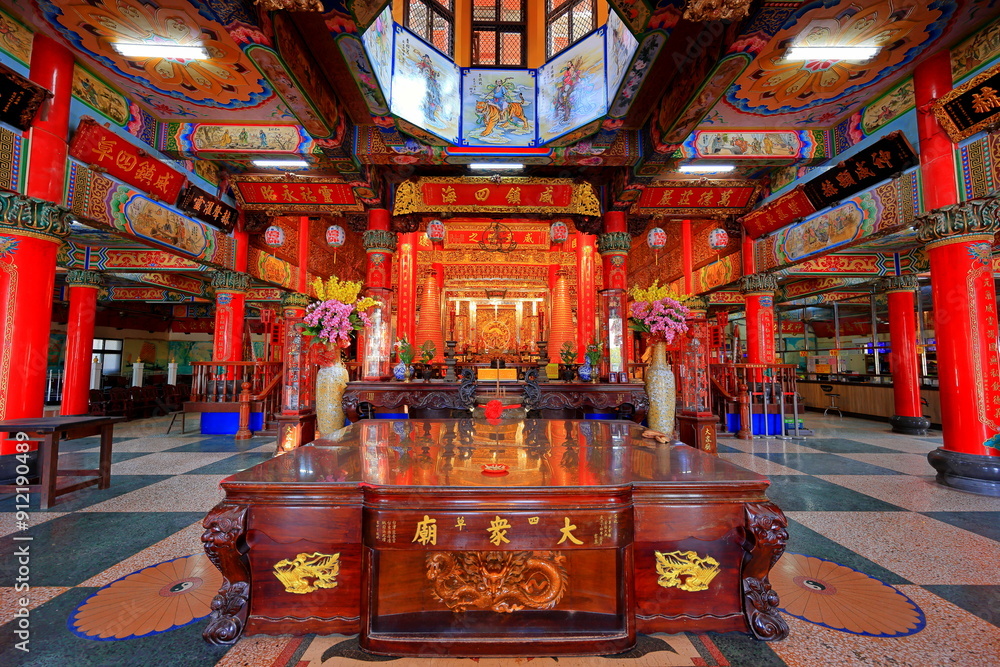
column 405, row 350
column 658, row 312
column 427, row 351
column 568, row 353
column 338, row 313
column 595, row 350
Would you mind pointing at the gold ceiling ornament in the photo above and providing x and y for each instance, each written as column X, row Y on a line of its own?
column 290, row 5
column 501, row 581
column 716, row 10
column 685, row 570
column 308, row 572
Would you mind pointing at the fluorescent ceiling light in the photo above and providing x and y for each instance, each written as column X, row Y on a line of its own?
column 495, row 165
column 167, row 51
column 282, row 164
column 706, row 168
column 858, row 54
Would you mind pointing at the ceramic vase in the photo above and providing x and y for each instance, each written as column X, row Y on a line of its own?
column 660, row 390
column 331, row 381
column 586, row 371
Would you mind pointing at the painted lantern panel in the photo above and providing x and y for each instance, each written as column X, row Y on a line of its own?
column 425, row 87
column 498, row 107
column 571, row 88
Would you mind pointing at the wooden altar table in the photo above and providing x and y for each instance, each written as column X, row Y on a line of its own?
column 437, row 395
column 468, row 538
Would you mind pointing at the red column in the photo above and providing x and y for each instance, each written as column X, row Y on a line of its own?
column 303, row 274
column 230, row 314
column 83, row 287
column 758, row 289
column 406, row 307
column 586, row 291
column 376, row 343
column 614, row 245
column 959, row 238
column 687, row 256
column 30, row 232
column 562, row 317
column 908, row 414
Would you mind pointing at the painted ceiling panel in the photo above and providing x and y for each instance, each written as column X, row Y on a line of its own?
column 772, row 92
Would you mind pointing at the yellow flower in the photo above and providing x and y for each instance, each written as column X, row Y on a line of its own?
column 346, row 291
column 654, row 292
column 365, row 303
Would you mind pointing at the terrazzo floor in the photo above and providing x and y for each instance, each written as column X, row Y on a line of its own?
column 854, row 493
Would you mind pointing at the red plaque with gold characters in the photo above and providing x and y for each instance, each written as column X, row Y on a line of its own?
column 697, row 198
column 777, row 213
column 105, row 150
column 476, row 194
column 294, row 194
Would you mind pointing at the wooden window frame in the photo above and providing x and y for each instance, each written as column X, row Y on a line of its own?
column 433, row 7
column 499, row 28
column 554, row 14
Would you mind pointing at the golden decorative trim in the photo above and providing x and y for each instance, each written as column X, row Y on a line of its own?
column 308, row 572
column 955, row 133
column 685, row 570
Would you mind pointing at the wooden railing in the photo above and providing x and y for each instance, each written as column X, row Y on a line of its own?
column 757, row 388
column 222, row 381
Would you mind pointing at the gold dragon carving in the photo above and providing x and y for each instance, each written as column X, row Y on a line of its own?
column 501, row 581
column 685, row 570
column 308, row 572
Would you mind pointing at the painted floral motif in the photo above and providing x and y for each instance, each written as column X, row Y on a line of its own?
column 779, row 86
column 980, row 252
column 8, row 246
column 227, row 80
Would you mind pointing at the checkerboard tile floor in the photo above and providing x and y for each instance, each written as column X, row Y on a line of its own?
column 854, row 494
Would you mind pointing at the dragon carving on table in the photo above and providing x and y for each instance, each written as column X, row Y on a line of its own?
column 501, row 581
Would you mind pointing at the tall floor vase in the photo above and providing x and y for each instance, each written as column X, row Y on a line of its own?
column 331, row 381
column 660, row 390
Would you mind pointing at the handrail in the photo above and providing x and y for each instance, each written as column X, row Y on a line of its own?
column 275, row 381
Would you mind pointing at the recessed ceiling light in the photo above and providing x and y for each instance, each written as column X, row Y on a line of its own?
column 282, row 164
column 166, row 51
column 706, row 168
column 857, row 54
column 495, row 165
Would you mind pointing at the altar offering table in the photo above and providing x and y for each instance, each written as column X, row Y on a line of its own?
column 48, row 431
column 469, row 538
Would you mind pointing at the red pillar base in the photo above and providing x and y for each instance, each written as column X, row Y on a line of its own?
column 967, row 472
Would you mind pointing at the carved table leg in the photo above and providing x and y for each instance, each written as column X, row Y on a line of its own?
column 766, row 536
column 351, row 403
column 225, row 527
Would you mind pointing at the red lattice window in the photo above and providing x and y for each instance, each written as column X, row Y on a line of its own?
column 434, row 22
column 567, row 22
column 499, row 31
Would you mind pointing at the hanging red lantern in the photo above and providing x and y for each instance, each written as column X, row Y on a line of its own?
column 335, row 236
column 718, row 239
column 656, row 238
column 274, row 236
column 558, row 231
column 435, row 231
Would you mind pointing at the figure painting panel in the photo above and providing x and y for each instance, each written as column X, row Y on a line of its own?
column 622, row 45
column 425, row 87
column 498, row 107
column 378, row 44
column 572, row 89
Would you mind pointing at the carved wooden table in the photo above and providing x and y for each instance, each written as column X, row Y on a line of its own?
column 470, row 538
